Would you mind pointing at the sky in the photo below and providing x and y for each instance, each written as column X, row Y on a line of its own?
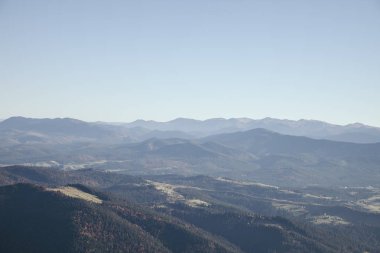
column 124, row 60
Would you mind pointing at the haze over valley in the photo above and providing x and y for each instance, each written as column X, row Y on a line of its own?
column 233, row 148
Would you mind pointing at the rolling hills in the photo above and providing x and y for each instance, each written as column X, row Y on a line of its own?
column 172, row 214
column 73, row 186
column 256, row 154
column 358, row 133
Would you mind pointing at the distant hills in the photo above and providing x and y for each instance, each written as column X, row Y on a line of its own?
column 30, row 129
column 257, row 154
column 358, row 133
column 296, row 160
column 19, row 130
column 262, row 141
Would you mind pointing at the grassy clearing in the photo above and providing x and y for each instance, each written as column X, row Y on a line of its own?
column 173, row 196
column 329, row 219
column 169, row 190
column 245, row 183
column 76, row 193
column 293, row 208
column 196, row 203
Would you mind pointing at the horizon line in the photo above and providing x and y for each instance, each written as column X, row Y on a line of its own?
column 195, row 119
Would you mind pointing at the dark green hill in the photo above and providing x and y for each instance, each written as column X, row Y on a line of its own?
column 293, row 160
column 37, row 220
column 254, row 233
column 237, row 217
column 261, row 141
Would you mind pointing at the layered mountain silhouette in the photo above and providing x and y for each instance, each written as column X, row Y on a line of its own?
column 29, row 129
column 358, row 133
column 256, row 154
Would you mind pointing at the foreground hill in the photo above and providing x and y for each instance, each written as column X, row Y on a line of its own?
column 179, row 214
column 35, row 219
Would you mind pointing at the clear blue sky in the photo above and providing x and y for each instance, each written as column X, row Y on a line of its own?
column 162, row 59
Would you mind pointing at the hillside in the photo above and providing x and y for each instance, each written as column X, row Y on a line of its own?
column 296, row 160
column 264, row 141
column 52, row 222
column 256, row 154
column 183, row 214
column 35, row 220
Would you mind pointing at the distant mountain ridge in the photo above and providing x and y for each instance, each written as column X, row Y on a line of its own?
column 57, row 125
column 20, row 130
column 259, row 154
column 141, row 130
column 356, row 132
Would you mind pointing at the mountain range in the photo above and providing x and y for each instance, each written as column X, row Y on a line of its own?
column 236, row 185
column 20, row 129
column 356, row 132
column 257, row 154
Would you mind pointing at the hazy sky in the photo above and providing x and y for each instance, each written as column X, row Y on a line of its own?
column 162, row 59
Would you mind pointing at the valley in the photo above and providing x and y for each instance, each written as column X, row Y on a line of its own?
column 245, row 191
column 206, row 126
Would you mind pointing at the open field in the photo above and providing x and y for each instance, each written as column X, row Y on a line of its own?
column 76, row 193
